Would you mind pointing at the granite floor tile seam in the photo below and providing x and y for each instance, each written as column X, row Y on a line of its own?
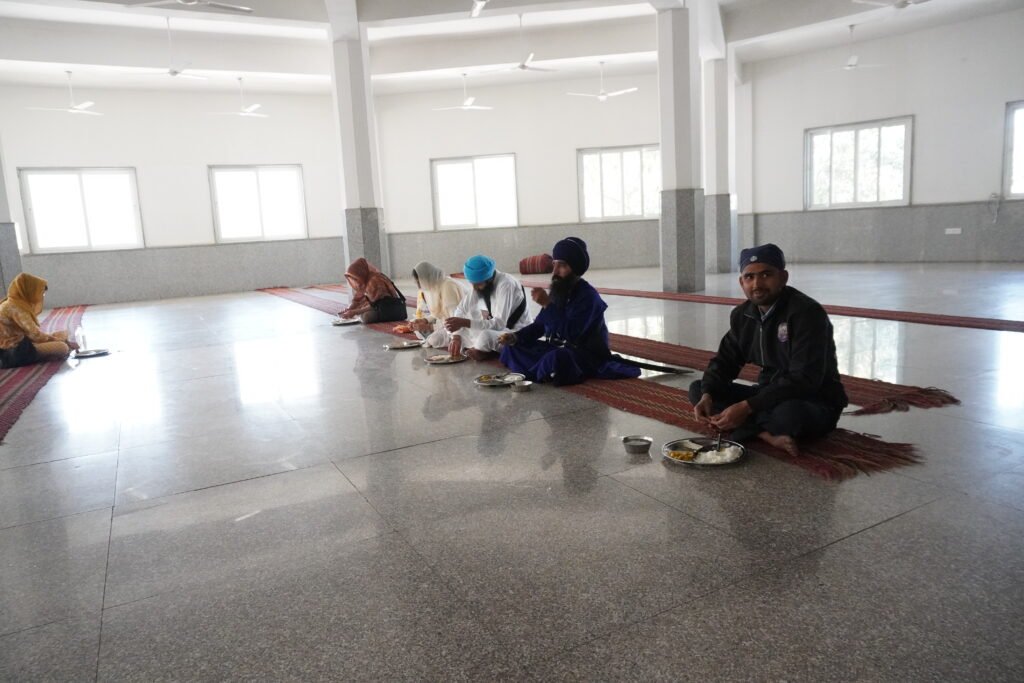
column 214, row 486
column 462, row 435
column 162, row 441
column 106, row 575
column 55, row 518
column 35, row 626
column 12, row 468
column 465, row 603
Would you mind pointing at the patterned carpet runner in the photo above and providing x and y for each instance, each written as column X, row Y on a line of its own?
column 871, row 395
column 997, row 324
column 840, row 455
column 18, row 386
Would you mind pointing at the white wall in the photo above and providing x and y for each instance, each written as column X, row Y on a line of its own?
column 955, row 80
column 538, row 122
column 170, row 138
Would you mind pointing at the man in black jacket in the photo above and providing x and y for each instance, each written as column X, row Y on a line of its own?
column 788, row 334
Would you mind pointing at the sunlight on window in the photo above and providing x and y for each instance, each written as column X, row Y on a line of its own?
column 238, row 207
column 611, row 183
column 652, row 182
column 110, row 209
column 890, row 174
column 821, row 159
column 495, row 191
column 477, row 192
column 281, row 203
column 842, row 167
column 867, row 165
column 1017, row 155
column 592, row 186
column 58, row 216
column 857, row 165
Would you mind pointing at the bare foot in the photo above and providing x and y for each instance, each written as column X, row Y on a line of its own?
column 477, row 354
column 786, row 443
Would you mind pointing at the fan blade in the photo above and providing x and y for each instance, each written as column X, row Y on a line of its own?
column 529, row 58
column 851, row 63
column 537, row 68
column 622, row 92
column 235, row 8
column 582, row 94
column 447, row 108
column 84, row 105
column 149, row 3
column 46, row 109
column 872, row 2
column 468, row 101
column 253, row 114
column 477, row 107
column 478, row 6
column 251, row 108
column 193, row 77
column 85, row 111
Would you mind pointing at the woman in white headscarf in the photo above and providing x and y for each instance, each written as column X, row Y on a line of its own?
column 438, row 297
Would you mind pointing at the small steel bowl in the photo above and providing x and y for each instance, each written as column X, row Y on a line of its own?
column 522, row 386
column 637, row 444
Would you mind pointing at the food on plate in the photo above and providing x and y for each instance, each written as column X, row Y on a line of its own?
column 684, row 456
column 402, row 329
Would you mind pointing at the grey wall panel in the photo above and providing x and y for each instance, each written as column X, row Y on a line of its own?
column 145, row 274
column 909, row 234
column 620, row 244
column 10, row 257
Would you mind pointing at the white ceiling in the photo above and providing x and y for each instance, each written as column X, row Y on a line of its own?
column 460, row 39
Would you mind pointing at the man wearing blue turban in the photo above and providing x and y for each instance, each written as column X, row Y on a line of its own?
column 496, row 304
column 572, row 321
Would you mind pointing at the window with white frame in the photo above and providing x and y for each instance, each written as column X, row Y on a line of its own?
column 81, row 209
column 862, row 164
column 1014, row 173
column 475, row 192
column 253, row 203
column 619, row 182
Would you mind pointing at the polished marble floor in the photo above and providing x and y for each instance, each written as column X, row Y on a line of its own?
column 242, row 491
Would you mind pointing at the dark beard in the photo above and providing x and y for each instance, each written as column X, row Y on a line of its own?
column 561, row 288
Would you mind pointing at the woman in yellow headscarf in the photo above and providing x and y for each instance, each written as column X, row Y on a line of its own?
column 21, row 340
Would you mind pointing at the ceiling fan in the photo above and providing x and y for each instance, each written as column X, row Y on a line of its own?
column 896, row 4
column 189, row 3
column 477, row 8
column 243, row 109
column 526, row 64
column 853, row 61
column 172, row 70
column 603, row 94
column 467, row 101
column 72, row 108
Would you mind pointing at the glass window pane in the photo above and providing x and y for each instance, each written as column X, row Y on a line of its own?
column 611, row 183
column 867, row 165
column 455, row 202
column 281, row 203
column 57, row 212
column 110, row 207
column 632, row 196
column 821, row 160
column 1017, row 154
column 238, row 205
column 891, row 155
column 592, row 186
column 842, row 167
column 495, row 191
column 652, row 182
